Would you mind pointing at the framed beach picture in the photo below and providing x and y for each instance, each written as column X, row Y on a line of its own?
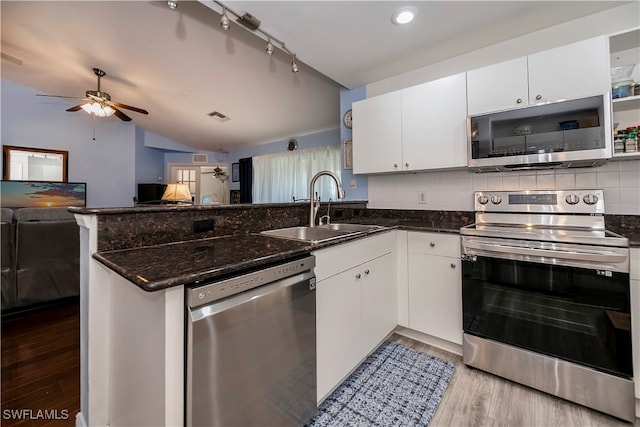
column 41, row 194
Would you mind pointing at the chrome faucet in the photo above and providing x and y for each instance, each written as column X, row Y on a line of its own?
column 315, row 201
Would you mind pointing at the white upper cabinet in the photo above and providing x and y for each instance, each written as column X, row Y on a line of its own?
column 498, row 87
column 422, row 127
column 434, row 124
column 571, row 71
column 377, row 133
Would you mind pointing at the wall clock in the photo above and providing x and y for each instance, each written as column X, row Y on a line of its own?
column 348, row 119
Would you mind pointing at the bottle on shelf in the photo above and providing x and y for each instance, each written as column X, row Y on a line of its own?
column 631, row 140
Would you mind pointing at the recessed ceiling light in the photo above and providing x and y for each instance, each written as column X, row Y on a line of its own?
column 404, row 15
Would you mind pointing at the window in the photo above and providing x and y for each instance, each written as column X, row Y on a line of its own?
column 281, row 177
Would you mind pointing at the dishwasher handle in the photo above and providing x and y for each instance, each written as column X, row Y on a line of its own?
column 216, row 307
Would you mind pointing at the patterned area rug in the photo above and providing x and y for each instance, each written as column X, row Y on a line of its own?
column 395, row 386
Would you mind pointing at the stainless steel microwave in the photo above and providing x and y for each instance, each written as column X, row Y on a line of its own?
column 563, row 134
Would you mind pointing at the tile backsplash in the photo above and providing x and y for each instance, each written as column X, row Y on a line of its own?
column 452, row 190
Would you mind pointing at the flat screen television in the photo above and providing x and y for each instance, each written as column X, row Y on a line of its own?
column 42, row 194
column 150, row 192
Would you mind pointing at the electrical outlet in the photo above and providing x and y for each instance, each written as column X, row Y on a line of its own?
column 353, row 184
column 200, row 226
column 422, row 198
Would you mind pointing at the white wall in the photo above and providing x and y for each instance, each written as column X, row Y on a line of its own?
column 452, row 190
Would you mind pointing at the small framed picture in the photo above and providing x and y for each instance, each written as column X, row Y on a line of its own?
column 348, row 153
column 235, row 172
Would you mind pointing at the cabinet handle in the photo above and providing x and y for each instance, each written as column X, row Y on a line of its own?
column 538, row 97
column 519, row 101
column 366, row 271
column 432, row 244
column 395, row 165
column 358, row 276
column 406, row 164
column 453, row 265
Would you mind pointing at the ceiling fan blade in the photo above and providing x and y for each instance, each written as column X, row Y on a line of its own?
column 128, row 107
column 76, row 108
column 122, row 116
column 60, row 96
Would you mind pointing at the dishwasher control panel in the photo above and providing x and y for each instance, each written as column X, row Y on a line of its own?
column 216, row 290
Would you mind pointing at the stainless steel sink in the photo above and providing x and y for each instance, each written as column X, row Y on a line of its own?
column 320, row 233
column 350, row 228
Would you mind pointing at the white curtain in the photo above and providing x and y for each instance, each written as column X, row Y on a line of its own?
column 278, row 178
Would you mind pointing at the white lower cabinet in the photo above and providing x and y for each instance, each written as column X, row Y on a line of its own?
column 355, row 305
column 435, row 285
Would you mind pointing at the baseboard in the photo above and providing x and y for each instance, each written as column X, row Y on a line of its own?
column 80, row 421
column 429, row 339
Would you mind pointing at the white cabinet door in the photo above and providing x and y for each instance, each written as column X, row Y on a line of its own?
column 435, row 285
column 498, row 87
column 571, row 71
column 435, row 296
column 434, row 124
column 377, row 134
column 338, row 329
column 378, row 301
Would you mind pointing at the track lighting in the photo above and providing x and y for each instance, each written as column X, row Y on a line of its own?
column 252, row 24
column 224, row 20
column 173, row 4
column 269, row 47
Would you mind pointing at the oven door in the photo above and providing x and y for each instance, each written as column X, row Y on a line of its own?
column 562, row 300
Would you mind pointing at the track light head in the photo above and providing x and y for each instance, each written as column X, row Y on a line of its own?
column 224, row 20
column 294, row 66
column 173, row 4
column 269, row 48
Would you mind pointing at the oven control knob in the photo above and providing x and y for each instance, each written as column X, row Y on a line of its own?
column 572, row 199
column 590, row 199
column 496, row 200
column 483, row 200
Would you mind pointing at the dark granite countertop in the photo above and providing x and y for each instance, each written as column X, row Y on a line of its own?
column 153, row 268
column 158, row 267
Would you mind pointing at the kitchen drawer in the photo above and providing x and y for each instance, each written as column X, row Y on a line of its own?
column 442, row 244
column 336, row 259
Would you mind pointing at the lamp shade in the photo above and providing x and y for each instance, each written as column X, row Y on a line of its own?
column 177, row 193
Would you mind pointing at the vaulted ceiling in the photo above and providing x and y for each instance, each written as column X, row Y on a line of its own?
column 181, row 66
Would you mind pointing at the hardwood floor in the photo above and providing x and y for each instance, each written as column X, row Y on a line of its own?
column 477, row 398
column 41, row 367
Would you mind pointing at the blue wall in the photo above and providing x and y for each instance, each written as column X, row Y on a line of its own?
column 361, row 182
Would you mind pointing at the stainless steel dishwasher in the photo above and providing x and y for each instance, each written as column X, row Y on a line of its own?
column 251, row 348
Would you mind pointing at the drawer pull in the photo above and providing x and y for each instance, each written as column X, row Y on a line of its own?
column 453, row 265
column 432, row 244
column 358, row 276
column 366, row 271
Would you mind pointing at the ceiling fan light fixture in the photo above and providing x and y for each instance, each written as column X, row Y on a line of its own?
column 224, row 20
column 173, row 4
column 98, row 110
column 404, row 15
column 269, row 48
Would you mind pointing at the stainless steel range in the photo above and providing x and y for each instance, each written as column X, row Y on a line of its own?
column 545, row 290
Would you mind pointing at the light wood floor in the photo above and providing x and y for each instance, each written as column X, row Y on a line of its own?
column 477, row 398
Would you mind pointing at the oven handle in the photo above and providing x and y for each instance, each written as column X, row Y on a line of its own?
column 546, row 253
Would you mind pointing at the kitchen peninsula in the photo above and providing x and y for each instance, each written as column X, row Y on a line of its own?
column 134, row 265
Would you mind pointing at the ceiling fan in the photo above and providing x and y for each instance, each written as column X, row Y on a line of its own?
column 217, row 173
column 100, row 104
